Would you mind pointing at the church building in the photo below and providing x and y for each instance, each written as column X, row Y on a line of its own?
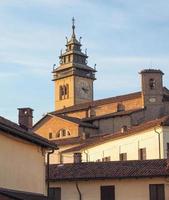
column 78, row 119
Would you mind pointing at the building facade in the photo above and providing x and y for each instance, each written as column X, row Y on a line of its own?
column 22, row 161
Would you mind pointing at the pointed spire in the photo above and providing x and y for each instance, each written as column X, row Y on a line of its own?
column 73, row 27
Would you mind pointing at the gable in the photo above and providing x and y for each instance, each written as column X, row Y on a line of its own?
column 54, row 124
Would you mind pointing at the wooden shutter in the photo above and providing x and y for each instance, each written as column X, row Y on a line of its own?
column 123, row 156
column 107, row 192
column 142, row 154
column 157, row 192
column 55, row 193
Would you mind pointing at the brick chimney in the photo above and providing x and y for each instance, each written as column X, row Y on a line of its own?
column 77, row 157
column 25, row 118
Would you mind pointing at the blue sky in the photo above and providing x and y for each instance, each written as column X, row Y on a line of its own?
column 122, row 37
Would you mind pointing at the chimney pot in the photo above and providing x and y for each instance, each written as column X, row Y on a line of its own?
column 77, row 157
column 123, row 129
column 25, row 118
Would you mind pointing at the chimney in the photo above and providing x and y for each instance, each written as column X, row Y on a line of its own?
column 77, row 157
column 25, row 118
column 123, row 129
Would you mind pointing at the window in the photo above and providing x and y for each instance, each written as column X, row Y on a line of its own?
column 107, row 192
column 120, row 107
column 55, row 193
column 50, row 135
column 167, row 150
column 156, row 192
column 64, row 92
column 142, row 154
column 152, row 83
column 123, row 156
column 63, row 133
column 106, row 159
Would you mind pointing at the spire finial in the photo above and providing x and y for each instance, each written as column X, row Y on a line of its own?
column 73, row 27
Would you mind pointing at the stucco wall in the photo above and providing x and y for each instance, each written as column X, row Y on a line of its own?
column 22, row 165
column 125, row 189
column 129, row 144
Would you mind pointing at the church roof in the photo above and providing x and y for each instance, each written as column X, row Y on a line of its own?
column 77, row 121
column 9, row 127
column 99, row 102
column 109, row 170
column 164, row 121
column 114, row 114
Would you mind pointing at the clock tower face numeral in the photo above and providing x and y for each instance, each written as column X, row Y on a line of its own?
column 84, row 90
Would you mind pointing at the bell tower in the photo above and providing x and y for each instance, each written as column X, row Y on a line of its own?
column 73, row 78
column 152, row 92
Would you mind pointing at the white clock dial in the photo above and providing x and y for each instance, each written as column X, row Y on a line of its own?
column 84, row 89
column 152, row 99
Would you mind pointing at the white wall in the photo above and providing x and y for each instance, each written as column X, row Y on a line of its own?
column 148, row 139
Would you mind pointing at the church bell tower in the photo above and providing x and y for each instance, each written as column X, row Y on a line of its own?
column 73, row 78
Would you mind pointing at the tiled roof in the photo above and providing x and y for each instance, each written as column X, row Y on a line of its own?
column 77, row 140
column 20, row 195
column 69, row 141
column 84, row 106
column 164, row 121
column 12, row 128
column 77, row 121
column 109, row 170
column 115, row 114
column 151, row 71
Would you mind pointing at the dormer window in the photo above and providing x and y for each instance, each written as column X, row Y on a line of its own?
column 152, row 84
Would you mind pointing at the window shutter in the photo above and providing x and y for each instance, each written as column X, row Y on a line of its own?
column 107, row 192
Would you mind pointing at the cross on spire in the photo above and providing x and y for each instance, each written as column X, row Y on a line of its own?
column 73, row 27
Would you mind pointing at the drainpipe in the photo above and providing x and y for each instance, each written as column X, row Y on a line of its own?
column 48, row 162
column 87, row 156
column 79, row 192
column 159, row 142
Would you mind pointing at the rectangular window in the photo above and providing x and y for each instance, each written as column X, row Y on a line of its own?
column 123, row 156
column 157, row 192
column 55, row 193
column 142, row 154
column 107, row 192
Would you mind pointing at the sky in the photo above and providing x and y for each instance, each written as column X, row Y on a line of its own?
column 122, row 38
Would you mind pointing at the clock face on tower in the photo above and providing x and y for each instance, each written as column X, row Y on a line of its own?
column 84, row 90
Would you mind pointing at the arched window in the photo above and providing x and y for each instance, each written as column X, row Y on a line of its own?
column 63, row 133
column 152, row 84
column 67, row 91
column 61, row 91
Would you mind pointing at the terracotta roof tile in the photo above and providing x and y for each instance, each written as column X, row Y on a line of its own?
column 109, row 170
